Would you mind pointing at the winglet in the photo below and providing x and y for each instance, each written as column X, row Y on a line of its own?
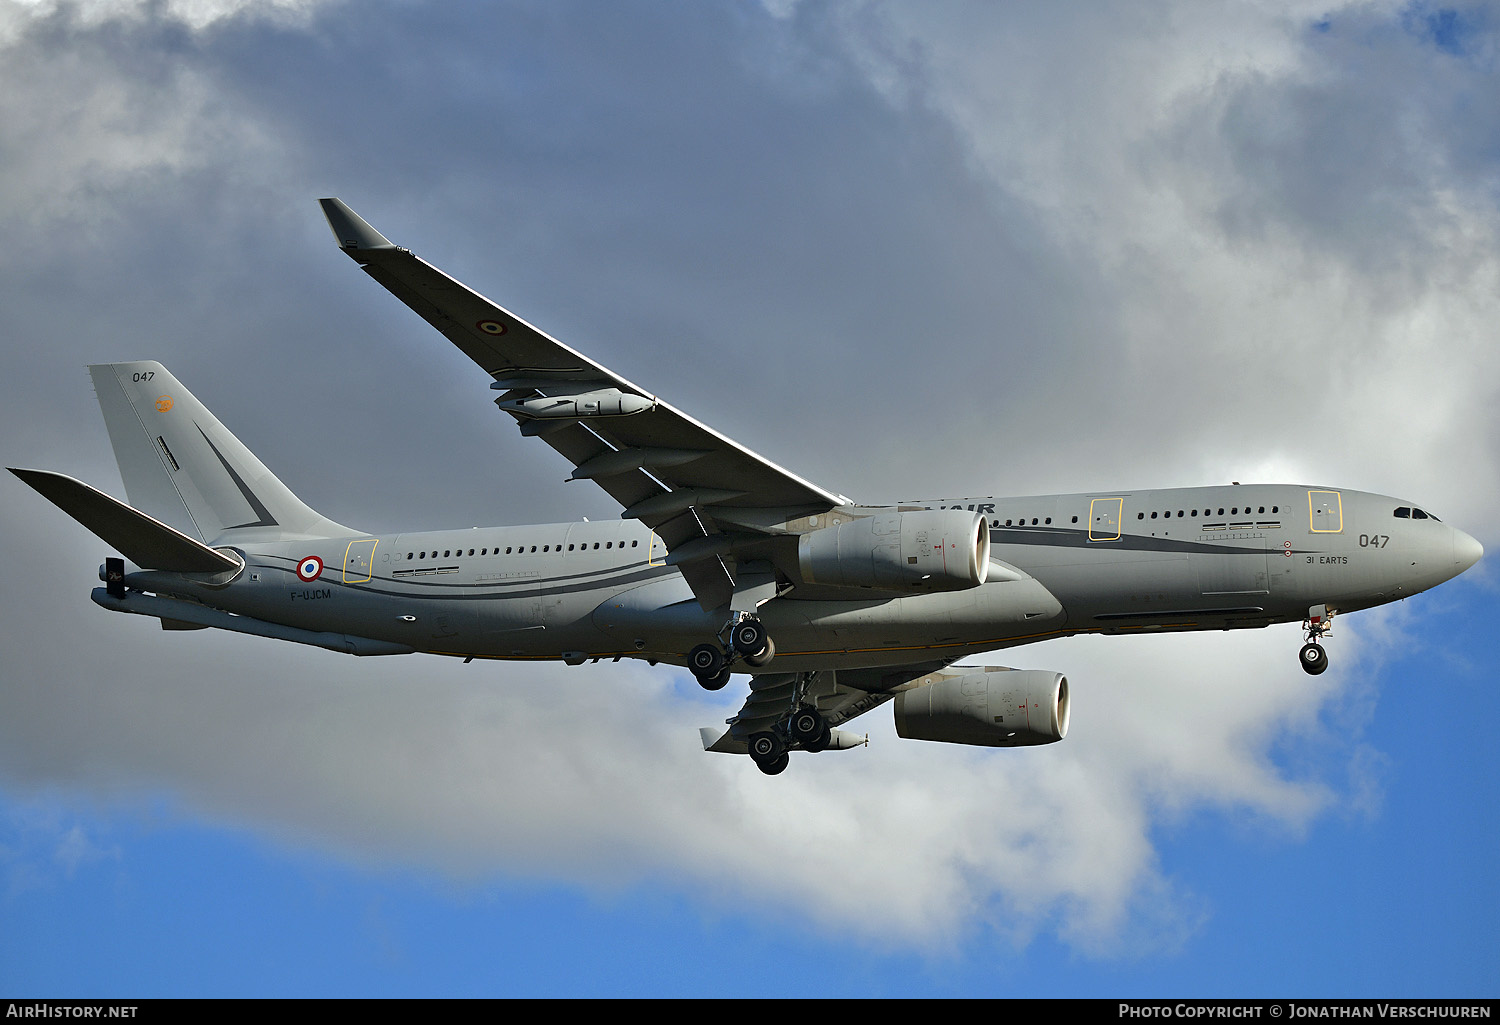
column 352, row 231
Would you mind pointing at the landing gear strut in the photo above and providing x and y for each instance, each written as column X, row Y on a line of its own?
column 1319, row 624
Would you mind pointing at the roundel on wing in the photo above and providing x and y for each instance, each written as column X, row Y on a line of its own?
column 309, row 569
column 491, row 327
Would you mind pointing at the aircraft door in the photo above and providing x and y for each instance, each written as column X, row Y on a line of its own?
column 359, row 557
column 1104, row 519
column 1325, row 512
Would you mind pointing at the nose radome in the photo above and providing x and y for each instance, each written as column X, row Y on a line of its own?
column 1466, row 550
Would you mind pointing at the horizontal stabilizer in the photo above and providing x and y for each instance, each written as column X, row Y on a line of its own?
column 147, row 542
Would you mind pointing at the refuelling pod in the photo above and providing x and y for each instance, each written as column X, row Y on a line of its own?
column 998, row 708
column 926, row 550
column 578, row 406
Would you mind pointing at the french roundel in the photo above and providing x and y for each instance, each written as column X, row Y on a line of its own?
column 309, row 569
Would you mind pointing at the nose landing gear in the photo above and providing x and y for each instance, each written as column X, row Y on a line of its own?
column 1319, row 624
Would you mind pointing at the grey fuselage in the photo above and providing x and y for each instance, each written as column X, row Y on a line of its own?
column 1111, row 562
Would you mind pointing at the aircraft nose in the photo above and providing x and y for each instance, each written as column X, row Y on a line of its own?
column 1466, row 550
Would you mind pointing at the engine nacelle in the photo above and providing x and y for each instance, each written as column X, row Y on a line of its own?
column 993, row 708
column 926, row 550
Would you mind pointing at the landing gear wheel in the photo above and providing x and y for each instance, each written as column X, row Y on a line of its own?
column 769, row 652
column 772, row 768
column 1313, row 658
column 766, row 748
column 749, row 638
column 708, row 665
column 807, row 725
column 821, row 744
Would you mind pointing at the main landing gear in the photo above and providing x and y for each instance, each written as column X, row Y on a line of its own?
column 803, row 728
column 743, row 637
column 1319, row 624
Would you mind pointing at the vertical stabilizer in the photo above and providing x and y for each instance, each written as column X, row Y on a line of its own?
column 183, row 467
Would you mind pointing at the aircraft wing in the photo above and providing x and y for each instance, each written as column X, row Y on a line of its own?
column 706, row 497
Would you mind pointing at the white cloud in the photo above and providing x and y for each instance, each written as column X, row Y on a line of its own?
column 1283, row 302
column 198, row 15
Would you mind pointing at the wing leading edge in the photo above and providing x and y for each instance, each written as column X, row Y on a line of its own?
column 714, row 503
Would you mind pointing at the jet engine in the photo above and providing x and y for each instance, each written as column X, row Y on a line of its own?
column 990, row 708
column 925, row 550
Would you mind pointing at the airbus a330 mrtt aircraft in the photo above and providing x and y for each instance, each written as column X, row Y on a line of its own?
column 721, row 560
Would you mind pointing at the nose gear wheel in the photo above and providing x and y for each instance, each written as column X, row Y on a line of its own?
column 1319, row 624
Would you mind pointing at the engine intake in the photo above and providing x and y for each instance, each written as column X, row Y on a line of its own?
column 993, row 708
column 926, row 550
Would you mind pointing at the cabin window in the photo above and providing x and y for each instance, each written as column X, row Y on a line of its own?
column 1140, row 516
column 1153, row 516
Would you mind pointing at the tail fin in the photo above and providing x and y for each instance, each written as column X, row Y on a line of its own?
column 183, row 467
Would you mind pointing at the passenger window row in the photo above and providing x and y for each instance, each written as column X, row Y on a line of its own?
column 1233, row 511
column 458, row 553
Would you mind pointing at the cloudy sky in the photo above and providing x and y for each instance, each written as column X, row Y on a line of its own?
column 902, row 249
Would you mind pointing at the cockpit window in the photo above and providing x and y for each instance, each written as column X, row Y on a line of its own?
column 1403, row 513
column 1418, row 514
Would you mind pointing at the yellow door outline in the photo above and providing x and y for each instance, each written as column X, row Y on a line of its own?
column 351, row 556
column 651, row 557
column 1329, row 512
column 1101, row 532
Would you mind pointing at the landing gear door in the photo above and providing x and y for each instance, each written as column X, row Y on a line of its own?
column 1104, row 519
column 358, row 558
column 1325, row 511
